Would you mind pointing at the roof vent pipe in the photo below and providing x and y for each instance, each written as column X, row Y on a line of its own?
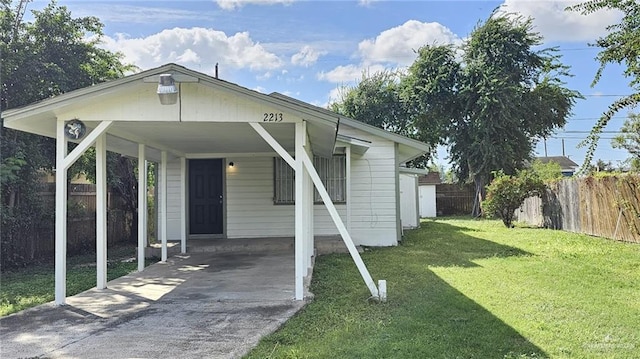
column 167, row 90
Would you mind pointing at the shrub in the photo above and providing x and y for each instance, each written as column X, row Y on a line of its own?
column 506, row 193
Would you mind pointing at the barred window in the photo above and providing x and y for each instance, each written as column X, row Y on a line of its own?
column 332, row 172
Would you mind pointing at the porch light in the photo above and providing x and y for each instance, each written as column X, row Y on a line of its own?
column 167, row 90
column 231, row 164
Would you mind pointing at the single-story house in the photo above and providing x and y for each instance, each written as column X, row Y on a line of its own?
column 233, row 163
column 567, row 166
column 427, row 190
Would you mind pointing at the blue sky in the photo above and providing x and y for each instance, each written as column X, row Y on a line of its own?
column 311, row 49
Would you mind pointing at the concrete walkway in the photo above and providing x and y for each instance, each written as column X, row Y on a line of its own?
column 201, row 305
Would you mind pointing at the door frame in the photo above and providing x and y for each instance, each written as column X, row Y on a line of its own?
column 223, row 174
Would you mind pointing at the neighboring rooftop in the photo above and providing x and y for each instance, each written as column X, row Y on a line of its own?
column 429, row 178
column 564, row 161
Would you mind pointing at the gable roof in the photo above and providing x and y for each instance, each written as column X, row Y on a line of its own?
column 565, row 162
column 322, row 124
column 411, row 148
column 430, row 178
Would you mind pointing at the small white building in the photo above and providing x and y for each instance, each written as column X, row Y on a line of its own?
column 427, row 197
column 409, row 205
column 233, row 163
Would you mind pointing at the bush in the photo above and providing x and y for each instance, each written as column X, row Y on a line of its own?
column 506, row 193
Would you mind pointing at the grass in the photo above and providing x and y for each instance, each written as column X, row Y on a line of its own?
column 461, row 288
column 27, row 287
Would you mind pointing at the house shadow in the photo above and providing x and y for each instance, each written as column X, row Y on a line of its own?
column 431, row 313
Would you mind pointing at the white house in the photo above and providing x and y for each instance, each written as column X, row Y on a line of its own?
column 227, row 157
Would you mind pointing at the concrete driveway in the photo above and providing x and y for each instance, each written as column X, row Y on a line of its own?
column 201, row 305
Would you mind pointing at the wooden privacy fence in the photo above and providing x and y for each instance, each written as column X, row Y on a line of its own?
column 605, row 207
column 39, row 242
column 453, row 199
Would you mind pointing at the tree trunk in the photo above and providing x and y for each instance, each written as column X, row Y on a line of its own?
column 479, row 182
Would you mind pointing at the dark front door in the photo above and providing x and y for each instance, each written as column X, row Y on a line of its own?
column 205, row 196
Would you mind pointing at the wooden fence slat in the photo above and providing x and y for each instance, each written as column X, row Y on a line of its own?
column 606, row 207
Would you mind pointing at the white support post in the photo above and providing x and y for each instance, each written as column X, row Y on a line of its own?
column 101, row 212
column 61, row 217
column 163, row 204
column 309, row 216
column 142, row 205
column 301, row 204
column 346, row 237
column 183, row 205
column 348, row 179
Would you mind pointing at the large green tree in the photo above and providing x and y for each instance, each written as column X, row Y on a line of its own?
column 40, row 59
column 493, row 105
column 629, row 139
column 621, row 45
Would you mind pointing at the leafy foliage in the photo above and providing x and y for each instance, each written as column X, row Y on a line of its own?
column 41, row 59
column 507, row 193
column 493, row 107
column 629, row 139
column 620, row 46
column 547, row 172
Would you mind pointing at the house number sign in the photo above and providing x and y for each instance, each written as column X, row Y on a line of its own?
column 272, row 117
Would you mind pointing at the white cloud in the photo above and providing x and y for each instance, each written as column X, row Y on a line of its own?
column 394, row 48
column 398, row 45
column 556, row 24
column 307, row 56
column 235, row 4
column 350, row 73
column 195, row 48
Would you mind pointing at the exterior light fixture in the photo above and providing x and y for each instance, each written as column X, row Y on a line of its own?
column 231, row 164
column 74, row 129
column 167, row 90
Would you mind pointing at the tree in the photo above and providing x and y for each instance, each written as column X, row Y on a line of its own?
column 507, row 193
column 629, row 139
column 376, row 101
column 494, row 106
column 547, row 172
column 620, row 46
column 41, row 59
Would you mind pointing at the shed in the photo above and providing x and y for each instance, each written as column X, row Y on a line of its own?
column 427, row 194
column 233, row 163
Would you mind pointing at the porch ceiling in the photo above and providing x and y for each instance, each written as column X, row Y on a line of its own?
column 205, row 138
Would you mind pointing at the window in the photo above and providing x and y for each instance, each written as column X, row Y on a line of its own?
column 332, row 172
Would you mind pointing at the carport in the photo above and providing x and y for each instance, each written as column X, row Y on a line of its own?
column 196, row 305
column 175, row 115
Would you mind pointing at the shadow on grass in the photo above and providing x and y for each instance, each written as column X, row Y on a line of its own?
column 425, row 317
column 433, row 312
column 445, row 245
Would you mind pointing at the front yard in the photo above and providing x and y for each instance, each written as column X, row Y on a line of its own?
column 462, row 288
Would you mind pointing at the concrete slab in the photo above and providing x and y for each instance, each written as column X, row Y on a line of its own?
column 201, row 305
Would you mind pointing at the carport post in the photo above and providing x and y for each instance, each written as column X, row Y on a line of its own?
column 101, row 212
column 183, row 205
column 163, row 204
column 142, row 205
column 302, row 203
column 61, row 216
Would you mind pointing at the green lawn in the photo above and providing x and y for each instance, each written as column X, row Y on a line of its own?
column 462, row 288
column 27, row 287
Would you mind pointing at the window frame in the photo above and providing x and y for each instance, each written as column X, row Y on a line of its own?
column 332, row 172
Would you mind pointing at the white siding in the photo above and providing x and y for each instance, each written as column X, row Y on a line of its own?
column 250, row 211
column 250, row 208
column 173, row 199
column 409, row 200
column 428, row 201
column 373, row 191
